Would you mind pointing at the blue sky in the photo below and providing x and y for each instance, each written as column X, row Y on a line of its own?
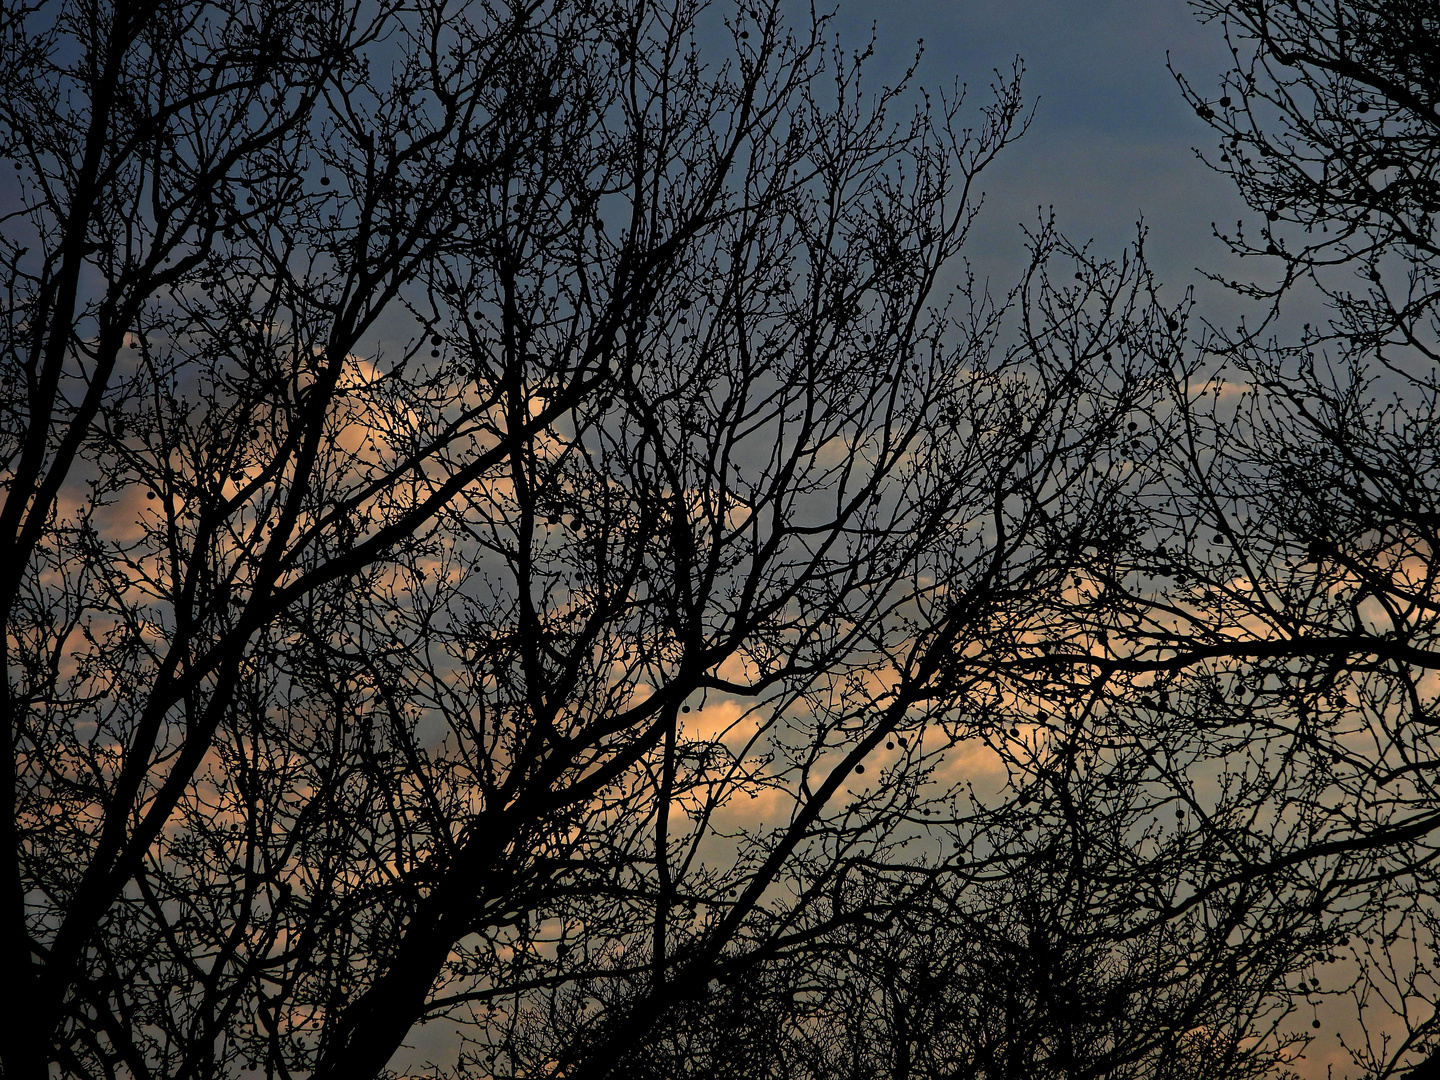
column 1112, row 138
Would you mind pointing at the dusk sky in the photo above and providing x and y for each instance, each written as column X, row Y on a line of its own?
column 1112, row 137
column 1112, row 141
column 514, row 708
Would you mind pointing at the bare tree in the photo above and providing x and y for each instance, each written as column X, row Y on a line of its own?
column 1278, row 665
column 852, row 870
column 1028, row 962
column 458, row 457
column 1238, row 736
column 1218, row 743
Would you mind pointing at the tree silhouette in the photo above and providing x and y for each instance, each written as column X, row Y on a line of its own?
column 1218, row 749
column 1286, row 683
column 482, row 484
column 1227, row 761
column 1006, row 967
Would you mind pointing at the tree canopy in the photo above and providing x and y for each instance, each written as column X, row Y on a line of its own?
column 518, row 518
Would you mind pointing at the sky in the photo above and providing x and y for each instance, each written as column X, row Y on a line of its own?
column 1112, row 140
